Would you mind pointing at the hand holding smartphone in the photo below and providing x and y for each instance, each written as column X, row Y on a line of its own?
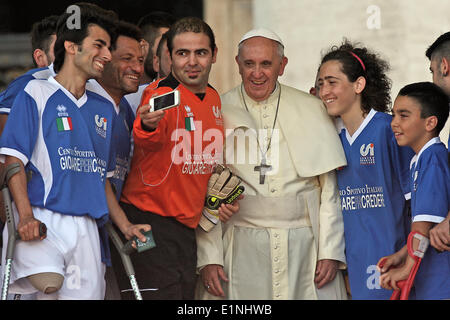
column 165, row 101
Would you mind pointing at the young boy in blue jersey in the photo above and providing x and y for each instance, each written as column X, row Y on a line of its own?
column 420, row 112
column 374, row 185
column 65, row 143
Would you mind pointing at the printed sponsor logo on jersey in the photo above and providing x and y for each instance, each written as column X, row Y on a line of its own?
column 62, row 111
column 218, row 115
column 121, row 170
column 367, row 154
column 84, row 161
column 101, row 125
column 362, row 197
column 216, row 112
column 64, row 124
column 199, row 152
column 188, row 111
column 189, row 120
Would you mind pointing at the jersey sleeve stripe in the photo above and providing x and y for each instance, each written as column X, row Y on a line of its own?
column 14, row 153
column 428, row 218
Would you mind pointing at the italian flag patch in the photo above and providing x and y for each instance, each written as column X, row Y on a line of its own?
column 189, row 123
column 64, row 124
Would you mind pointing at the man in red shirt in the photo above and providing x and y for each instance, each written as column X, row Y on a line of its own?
column 175, row 153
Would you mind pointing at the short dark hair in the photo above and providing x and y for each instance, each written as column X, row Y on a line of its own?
column 160, row 44
column 150, row 25
column 155, row 20
column 190, row 24
column 41, row 33
column 90, row 14
column 151, row 22
column 357, row 61
column 432, row 101
column 127, row 29
column 440, row 47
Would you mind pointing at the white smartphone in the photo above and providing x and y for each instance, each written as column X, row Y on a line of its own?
column 165, row 101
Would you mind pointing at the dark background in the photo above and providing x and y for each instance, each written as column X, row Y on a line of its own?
column 17, row 16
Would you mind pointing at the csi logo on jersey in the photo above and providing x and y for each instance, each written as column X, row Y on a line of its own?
column 101, row 125
column 367, row 154
column 365, row 150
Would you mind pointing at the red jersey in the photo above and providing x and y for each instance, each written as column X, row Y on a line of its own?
column 171, row 165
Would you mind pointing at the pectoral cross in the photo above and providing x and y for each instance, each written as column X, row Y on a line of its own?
column 263, row 169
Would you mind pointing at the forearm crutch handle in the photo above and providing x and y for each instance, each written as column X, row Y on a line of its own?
column 405, row 286
column 9, row 171
column 13, row 235
column 417, row 255
column 129, row 269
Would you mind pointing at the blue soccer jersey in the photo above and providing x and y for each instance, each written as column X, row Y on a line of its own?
column 121, row 136
column 430, row 202
column 7, row 97
column 373, row 187
column 65, row 144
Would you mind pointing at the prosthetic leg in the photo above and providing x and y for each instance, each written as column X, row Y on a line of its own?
column 13, row 235
column 124, row 251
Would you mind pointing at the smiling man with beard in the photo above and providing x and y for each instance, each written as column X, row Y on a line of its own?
column 159, row 191
column 153, row 26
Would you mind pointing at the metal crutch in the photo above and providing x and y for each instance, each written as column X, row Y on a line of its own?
column 124, row 252
column 13, row 235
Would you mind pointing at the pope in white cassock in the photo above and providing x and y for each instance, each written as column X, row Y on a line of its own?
column 287, row 240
